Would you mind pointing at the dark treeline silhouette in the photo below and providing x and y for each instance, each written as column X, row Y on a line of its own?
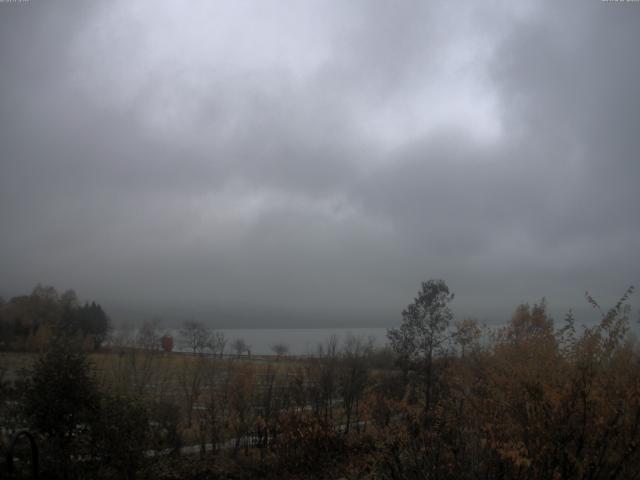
column 446, row 400
column 27, row 322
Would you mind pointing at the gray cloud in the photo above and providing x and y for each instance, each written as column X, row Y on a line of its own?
column 312, row 164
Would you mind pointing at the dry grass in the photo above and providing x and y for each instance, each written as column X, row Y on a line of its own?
column 13, row 363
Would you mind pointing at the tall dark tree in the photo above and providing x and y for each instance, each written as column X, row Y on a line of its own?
column 60, row 400
column 423, row 333
column 96, row 323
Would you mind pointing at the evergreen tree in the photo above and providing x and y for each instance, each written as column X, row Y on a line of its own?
column 60, row 401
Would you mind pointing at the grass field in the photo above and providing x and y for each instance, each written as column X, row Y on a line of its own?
column 13, row 363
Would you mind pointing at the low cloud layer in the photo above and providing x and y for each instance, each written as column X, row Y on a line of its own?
column 265, row 163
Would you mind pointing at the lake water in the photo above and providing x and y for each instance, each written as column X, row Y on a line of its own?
column 300, row 341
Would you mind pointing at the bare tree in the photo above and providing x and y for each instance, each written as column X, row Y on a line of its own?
column 241, row 403
column 354, row 375
column 122, row 337
column 280, row 349
column 148, row 337
column 215, row 398
column 323, row 378
column 240, row 346
column 135, row 369
column 217, row 343
column 272, row 399
column 195, row 336
column 191, row 377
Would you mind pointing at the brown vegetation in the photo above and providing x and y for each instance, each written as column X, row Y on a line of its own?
column 525, row 401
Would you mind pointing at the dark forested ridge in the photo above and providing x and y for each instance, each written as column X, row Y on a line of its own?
column 447, row 399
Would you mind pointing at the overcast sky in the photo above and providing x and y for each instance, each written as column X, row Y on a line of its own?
column 309, row 163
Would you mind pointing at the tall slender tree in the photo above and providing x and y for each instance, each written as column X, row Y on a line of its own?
column 423, row 333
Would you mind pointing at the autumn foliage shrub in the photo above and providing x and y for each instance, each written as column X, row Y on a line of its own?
column 306, row 443
column 536, row 402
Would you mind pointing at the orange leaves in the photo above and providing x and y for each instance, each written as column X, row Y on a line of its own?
column 305, row 441
column 514, row 452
